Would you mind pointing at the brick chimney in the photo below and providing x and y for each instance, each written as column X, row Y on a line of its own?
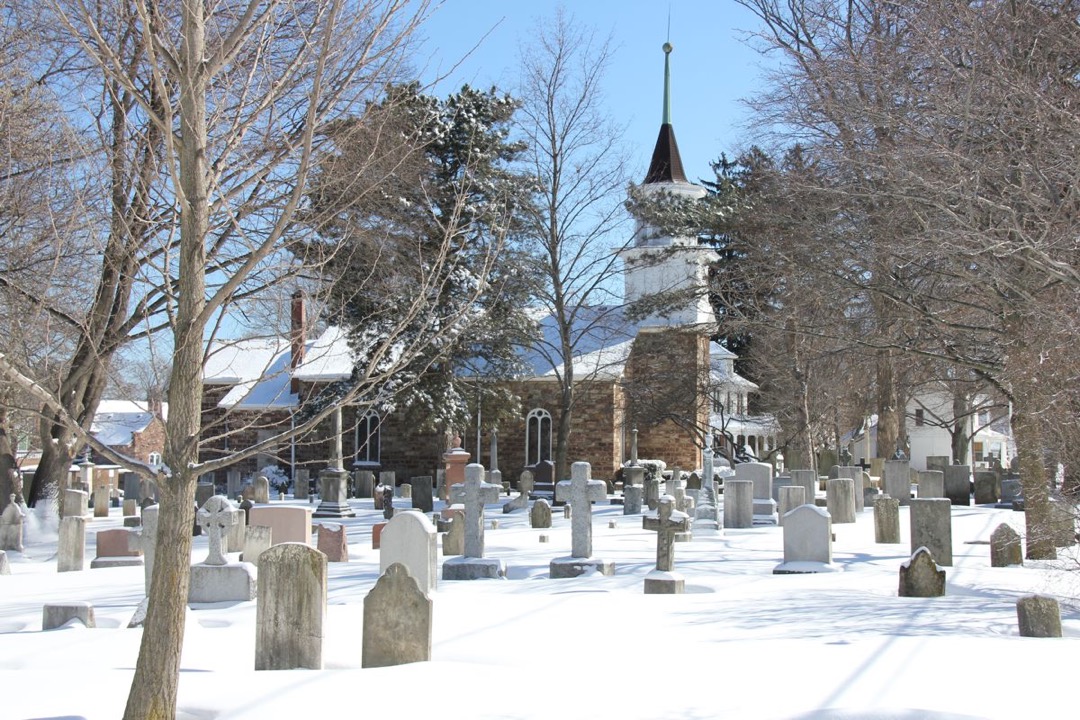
column 297, row 336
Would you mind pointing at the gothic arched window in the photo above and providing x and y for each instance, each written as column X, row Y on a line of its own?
column 367, row 439
column 537, row 436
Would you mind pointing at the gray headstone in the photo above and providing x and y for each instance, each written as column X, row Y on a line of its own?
column 75, row 503
column 540, row 515
column 203, row 492
column 261, row 489
column 958, row 484
column 216, row 517
column 54, row 615
column 897, row 480
column 301, row 484
column 856, row 474
column 840, row 499
column 423, row 498
column 807, row 535
column 101, row 500
column 666, row 524
column 931, row 527
column 477, row 494
column 791, row 497
column 453, row 542
column 365, row 483
column 291, row 608
column 1038, row 616
column 334, row 494
column 132, row 485
column 1005, row 547
column 1011, row 491
column 886, row 519
column 808, row 480
column 652, row 492
column 760, row 474
column 987, row 488
column 921, row 577
column 410, row 539
column 938, row 462
column 5, row 566
column 397, row 621
column 71, row 546
column 738, row 503
column 581, row 492
column 257, row 540
column 11, row 525
column 931, row 484
column 233, row 483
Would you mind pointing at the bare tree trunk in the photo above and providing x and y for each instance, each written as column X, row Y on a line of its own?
column 888, row 425
column 1033, row 479
column 7, row 454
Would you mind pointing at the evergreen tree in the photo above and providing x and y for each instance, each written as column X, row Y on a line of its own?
column 417, row 171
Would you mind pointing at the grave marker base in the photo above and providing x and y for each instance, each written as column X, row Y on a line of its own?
column 467, row 568
column 569, row 567
column 660, row 582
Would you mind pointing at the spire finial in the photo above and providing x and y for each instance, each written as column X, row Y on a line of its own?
column 666, row 120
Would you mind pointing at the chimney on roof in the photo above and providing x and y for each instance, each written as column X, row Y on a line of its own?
column 297, row 336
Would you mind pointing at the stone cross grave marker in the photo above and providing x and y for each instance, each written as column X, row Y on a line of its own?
column 580, row 492
column 477, row 493
column 667, row 523
column 216, row 517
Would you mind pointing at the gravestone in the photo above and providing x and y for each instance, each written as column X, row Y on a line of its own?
column 101, row 499
column 921, row 577
column 856, row 474
column 634, row 475
column 145, row 541
column 404, row 491
column 651, row 490
column 1038, row 616
column 840, row 499
column 898, row 480
column 886, row 519
column 453, row 540
column 378, row 496
column 808, row 480
column 525, row 486
column 130, row 507
column 987, row 487
column 114, row 550
column 257, row 540
column 540, row 515
column 706, row 507
column 260, row 490
column 738, row 503
column 334, row 484
column 791, row 497
column 291, row 608
column 632, row 499
column 938, row 462
column 301, row 484
column 11, row 525
column 931, row 527
column 203, row 492
column 236, row 538
column 5, row 566
column 388, row 478
column 544, row 477
column 397, row 621
column 410, row 539
column 71, row 544
column 245, row 505
column 75, row 502
column 365, row 483
column 1005, row 547
column 54, row 615
column 581, row 491
column 234, row 483
column 931, row 484
column 760, row 474
column 807, row 541
column 472, row 564
column 387, row 501
column 132, row 485
column 667, row 523
column 1011, row 492
column 216, row 579
column 958, row 484
column 291, row 523
column 333, row 543
column 423, row 498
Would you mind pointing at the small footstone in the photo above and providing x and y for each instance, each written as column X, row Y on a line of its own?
column 54, row 615
column 921, row 576
column 1038, row 616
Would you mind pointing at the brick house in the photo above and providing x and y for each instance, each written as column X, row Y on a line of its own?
column 659, row 375
column 132, row 428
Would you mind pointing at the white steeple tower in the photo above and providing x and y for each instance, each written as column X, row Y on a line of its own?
column 659, row 265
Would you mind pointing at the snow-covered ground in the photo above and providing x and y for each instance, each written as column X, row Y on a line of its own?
column 740, row 643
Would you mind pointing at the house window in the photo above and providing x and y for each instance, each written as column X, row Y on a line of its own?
column 367, row 439
column 537, row 436
column 919, row 418
column 154, row 459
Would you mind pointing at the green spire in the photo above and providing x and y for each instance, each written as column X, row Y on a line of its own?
column 667, row 84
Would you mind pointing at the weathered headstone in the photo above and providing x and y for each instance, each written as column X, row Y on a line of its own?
column 423, row 498
column 114, row 549
column 71, row 545
column 216, row 579
column 807, row 541
column 931, row 527
column 856, row 474
column 472, row 564
column 54, row 615
column 75, row 502
column 525, row 486
column 234, row 483
column 931, row 484
column 291, row 608
column 1011, row 492
column 333, row 543
column 958, row 484
column 236, row 538
column 397, row 621
column 840, row 499
column 257, row 540
column 365, row 483
column 301, row 484
column 738, row 503
column 668, row 522
column 791, row 497
column 760, row 474
column 130, row 507
column 808, row 479
column 1038, row 616
column 540, row 515
column 410, row 539
column 11, row 525
column 987, row 487
column 921, row 576
column 203, row 492
column 898, row 480
column 453, row 540
column 261, row 490
column 1005, row 548
column 706, row 508
column 5, row 566
column 101, row 499
column 387, row 501
column 581, row 491
column 886, row 519
column 938, row 462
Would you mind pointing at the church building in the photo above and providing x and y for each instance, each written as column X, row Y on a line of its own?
column 659, row 375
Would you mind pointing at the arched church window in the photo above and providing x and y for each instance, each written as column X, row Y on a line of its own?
column 367, row 438
column 537, row 436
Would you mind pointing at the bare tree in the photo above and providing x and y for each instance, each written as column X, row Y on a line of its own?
column 574, row 154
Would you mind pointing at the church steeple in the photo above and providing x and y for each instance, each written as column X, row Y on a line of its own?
column 666, row 164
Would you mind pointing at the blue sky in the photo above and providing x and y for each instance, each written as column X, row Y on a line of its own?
column 713, row 67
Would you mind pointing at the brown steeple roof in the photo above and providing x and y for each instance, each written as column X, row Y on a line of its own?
column 666, row 164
